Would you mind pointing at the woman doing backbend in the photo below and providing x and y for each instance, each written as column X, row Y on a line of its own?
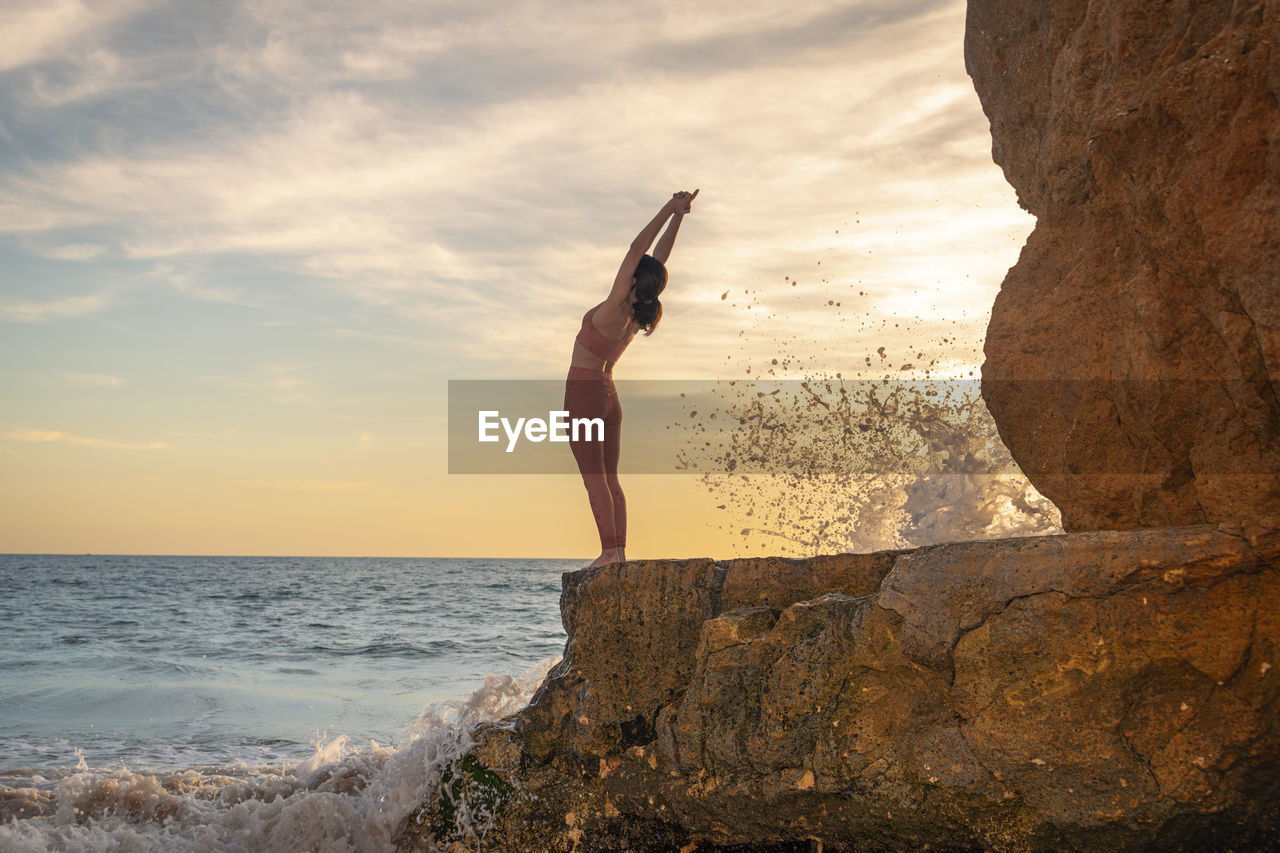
column 631, row 306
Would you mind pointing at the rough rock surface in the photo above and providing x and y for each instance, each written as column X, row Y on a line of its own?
column 1133, row 355
column 1090, row 690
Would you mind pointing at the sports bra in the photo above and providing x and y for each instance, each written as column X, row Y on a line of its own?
column 596, row 343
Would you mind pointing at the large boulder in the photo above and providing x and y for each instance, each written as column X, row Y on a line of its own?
column 1134, row 350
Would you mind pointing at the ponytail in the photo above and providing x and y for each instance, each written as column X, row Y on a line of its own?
column 651, row 280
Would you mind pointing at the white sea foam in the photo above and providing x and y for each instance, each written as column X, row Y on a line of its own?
column 341, row 799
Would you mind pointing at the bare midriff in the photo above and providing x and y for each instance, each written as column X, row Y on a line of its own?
column 584, row 358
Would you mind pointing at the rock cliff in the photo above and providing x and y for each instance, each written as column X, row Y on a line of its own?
column 1133, row 355
column 1062, row 692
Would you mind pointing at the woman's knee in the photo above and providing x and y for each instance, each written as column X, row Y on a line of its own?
column 594, row 480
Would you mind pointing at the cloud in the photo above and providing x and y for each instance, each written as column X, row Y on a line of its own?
column 282, row 383
column 480, row 168
column 225, row 432
column 41, row 30
column 190, row 286
column 93, row 380
column 46, row 436
column 75, row 252
column 41, row 312
column 78, row 79
column 310, row 485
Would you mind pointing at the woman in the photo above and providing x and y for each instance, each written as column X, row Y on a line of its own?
column 631, row 306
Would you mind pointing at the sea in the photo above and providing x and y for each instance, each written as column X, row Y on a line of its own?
column 153, row 703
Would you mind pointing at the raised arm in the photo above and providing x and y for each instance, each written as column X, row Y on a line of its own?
column 677, row 206
column 662, row 251
column 668, row 239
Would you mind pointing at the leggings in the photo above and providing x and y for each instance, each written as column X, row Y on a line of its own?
column 590, row 394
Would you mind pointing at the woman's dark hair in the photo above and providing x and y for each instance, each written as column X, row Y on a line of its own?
column 651, row 279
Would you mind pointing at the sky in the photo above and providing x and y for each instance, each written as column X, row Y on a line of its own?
column 245, row 246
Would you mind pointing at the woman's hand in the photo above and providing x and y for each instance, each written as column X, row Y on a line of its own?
column 682, row 201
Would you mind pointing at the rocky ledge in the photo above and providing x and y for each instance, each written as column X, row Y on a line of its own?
column 1088, row 690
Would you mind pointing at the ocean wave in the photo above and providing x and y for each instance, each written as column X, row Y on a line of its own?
column 381, row 649
column 339, row 800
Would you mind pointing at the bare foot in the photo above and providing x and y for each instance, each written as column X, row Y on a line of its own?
column 607, row 556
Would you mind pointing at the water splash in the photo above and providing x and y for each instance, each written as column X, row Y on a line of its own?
column 338, row 801
column 327, row 752
column 899, row 453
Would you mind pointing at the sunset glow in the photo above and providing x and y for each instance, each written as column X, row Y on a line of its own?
column 244, row 248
